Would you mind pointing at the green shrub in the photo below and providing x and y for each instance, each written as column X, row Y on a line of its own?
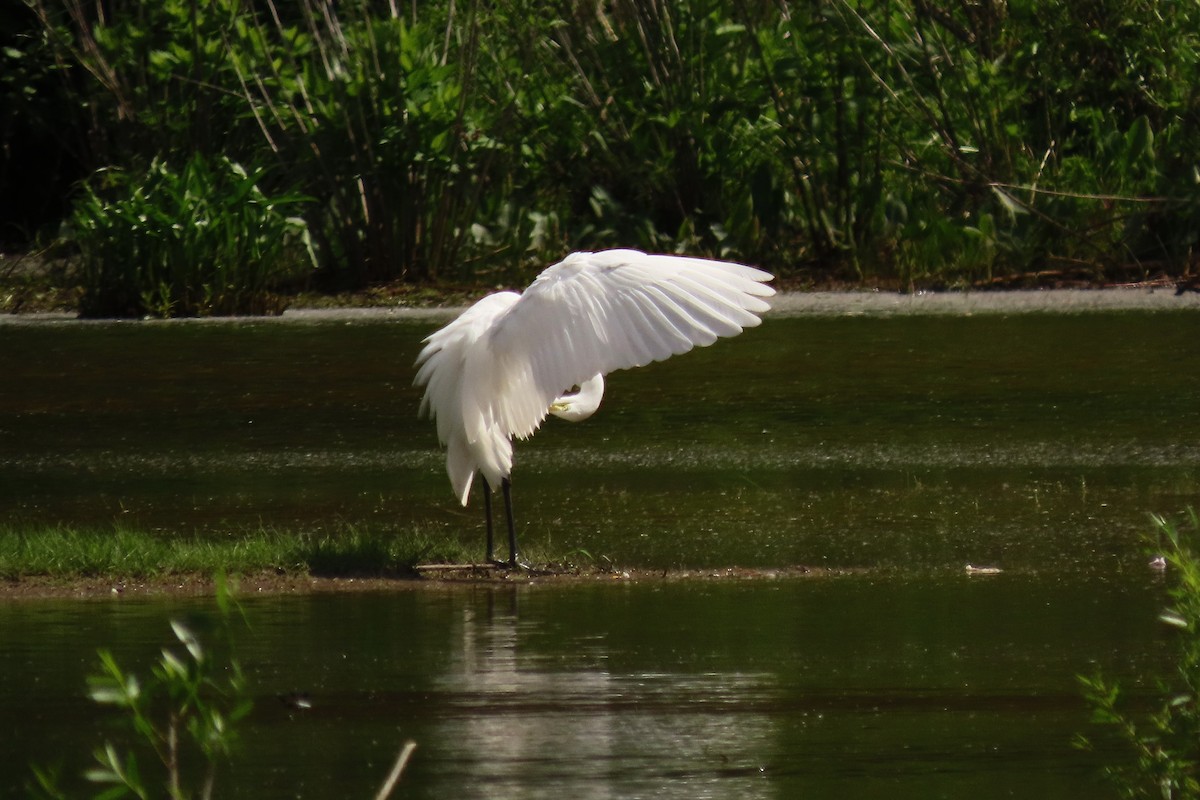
column 377, row 120
column 1162, row 747
column 201, row 240
column 910, row 142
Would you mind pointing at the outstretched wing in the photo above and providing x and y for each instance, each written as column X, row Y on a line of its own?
column 599, row 312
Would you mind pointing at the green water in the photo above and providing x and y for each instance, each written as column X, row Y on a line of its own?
column 929, row 442
column 908, row 446
column 827, row 687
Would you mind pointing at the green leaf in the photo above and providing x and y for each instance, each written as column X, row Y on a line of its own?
column 1139, row 142
column 173, row 667
column 1008, row 202
column 1173, row 618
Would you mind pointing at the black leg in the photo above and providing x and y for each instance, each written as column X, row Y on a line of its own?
column 487, row 513
column 506, row 487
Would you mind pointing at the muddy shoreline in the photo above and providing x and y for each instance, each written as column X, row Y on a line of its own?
column 44, row 587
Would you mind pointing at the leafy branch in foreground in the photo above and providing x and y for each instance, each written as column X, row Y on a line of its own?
column 1165, row 745
column 186, row 711
column 181, row 721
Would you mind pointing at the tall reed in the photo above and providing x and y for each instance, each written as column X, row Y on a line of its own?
column 384, row 116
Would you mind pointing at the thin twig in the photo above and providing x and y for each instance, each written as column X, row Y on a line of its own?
column 1114, row 198
column 1032, row 189
column 401, row 762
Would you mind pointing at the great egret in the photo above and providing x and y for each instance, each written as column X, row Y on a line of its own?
column 506, row 362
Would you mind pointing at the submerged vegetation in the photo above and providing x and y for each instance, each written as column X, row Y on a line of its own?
column 896, row 142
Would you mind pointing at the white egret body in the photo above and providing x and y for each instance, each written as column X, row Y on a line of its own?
column 506, row 362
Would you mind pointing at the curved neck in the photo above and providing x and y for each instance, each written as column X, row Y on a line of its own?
column 581, row 404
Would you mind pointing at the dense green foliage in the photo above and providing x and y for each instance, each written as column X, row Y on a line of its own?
column 1163, row 746
column 203, row 240
column 893, row 140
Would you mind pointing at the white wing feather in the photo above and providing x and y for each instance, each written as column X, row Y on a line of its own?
column 492, row 373
column 442, row 369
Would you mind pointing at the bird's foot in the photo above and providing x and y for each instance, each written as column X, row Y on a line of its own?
column 512, row 565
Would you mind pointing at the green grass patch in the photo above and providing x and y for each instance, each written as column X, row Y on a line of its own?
column 61, row 551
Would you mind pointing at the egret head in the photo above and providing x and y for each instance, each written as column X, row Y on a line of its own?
column 580, row 405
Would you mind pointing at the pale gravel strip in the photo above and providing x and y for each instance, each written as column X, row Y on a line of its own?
column 1054, row 301
column 788, row 304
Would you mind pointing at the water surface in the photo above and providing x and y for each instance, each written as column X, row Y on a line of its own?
column 828, row 687
column 917, row 442
column 905, row 447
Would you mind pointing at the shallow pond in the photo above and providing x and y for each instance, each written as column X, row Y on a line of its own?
column 1024, row 441
column 850, row 686
column 907, row 446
